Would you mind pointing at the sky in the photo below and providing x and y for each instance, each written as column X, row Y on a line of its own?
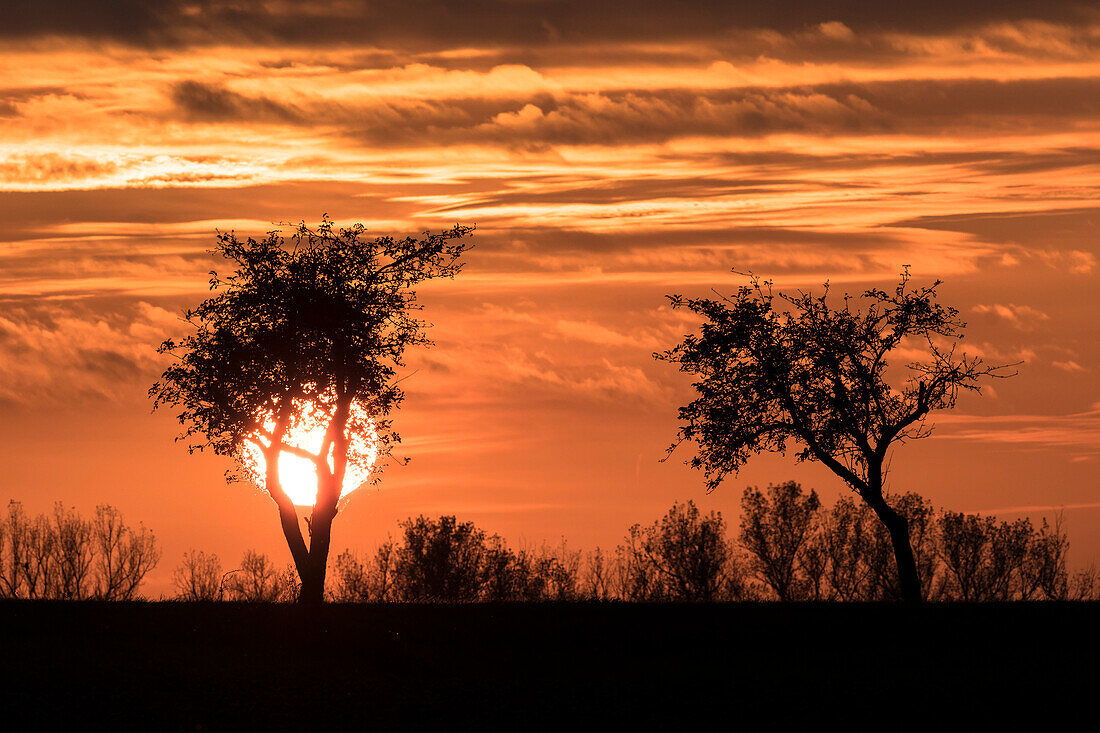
column 609, row 154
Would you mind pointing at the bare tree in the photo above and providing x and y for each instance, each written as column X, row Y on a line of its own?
column 598, row 576
column 558, row 568
column 814, row 560
column 33, row 542
column 255, row 581
column 124, row 556
column 777, row 368
column 73, row 554
column 638, row 578
column 199, row 577
column 986, row 560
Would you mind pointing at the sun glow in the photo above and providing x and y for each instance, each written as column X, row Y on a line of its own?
column 297, row 474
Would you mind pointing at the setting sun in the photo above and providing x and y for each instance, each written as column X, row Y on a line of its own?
column 298, row 474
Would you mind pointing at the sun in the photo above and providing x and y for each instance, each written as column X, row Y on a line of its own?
column 298, row 475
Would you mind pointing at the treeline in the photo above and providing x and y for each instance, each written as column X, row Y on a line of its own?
column 63, row 556
column 793, row 548
column 789, row 547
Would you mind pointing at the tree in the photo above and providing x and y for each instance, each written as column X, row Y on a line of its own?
column 199, row 577
column 778, row 368
column 124, row 556
column 306, row 331
column 684, row 556
column 368, row 580
column 70, row 558
column 73, row 554
column 846, row 546
column 776, row 530
column 439, row 561
column 255, row 581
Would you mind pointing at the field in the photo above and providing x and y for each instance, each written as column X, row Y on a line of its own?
column 175, row 666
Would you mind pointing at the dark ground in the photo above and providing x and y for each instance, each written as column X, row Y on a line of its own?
column 176, row 666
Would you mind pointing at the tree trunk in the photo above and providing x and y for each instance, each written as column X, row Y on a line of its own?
column 312, row 592
column 898, row 527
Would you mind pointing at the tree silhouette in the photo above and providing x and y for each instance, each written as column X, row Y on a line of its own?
column 310, row 328
column 685, row 556
column 776, row 530
column 439, row 561
column 70, row 558
column 199, row 577
column 775, row 368
column 257, row 580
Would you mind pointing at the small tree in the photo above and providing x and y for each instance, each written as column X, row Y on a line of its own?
column 73, row 554
column 311, row 329
column 199, row 577
column 255, row 581
column 439, row 561
column 124, row 556
column 776, row 368
column 846, row 544
column 684, row 556
column 367, row 580
column 776, row 529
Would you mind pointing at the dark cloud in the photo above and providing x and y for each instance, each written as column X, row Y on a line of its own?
column 12, row 97
column 55, row 351
column 984, row 161
column 524, row 242
column 32, row 214
column 646, row 189
column 478, row 23
column 1039, row 229
column 214, row 103
column 1042, row 162
column 935, row 107
column 960, row 99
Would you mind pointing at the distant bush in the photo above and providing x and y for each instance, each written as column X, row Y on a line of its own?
column 447, row 561
column 63, row 556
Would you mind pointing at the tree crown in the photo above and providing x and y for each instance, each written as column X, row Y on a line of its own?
column 310, row 325
column 775, row 367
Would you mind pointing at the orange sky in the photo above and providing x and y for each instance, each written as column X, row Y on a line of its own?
column 607, row 158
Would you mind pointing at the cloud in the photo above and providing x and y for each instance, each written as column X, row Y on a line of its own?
column 1033, row 508
column 491, row 22
column 598, row 334
column 214, row 103
column 60, row 353
column 32, row 169
column 1078, row 431
column 541, row 117
column 1068, row 366
column 1020, row 316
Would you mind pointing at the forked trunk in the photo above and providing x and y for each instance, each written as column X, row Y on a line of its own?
column 898, row 527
